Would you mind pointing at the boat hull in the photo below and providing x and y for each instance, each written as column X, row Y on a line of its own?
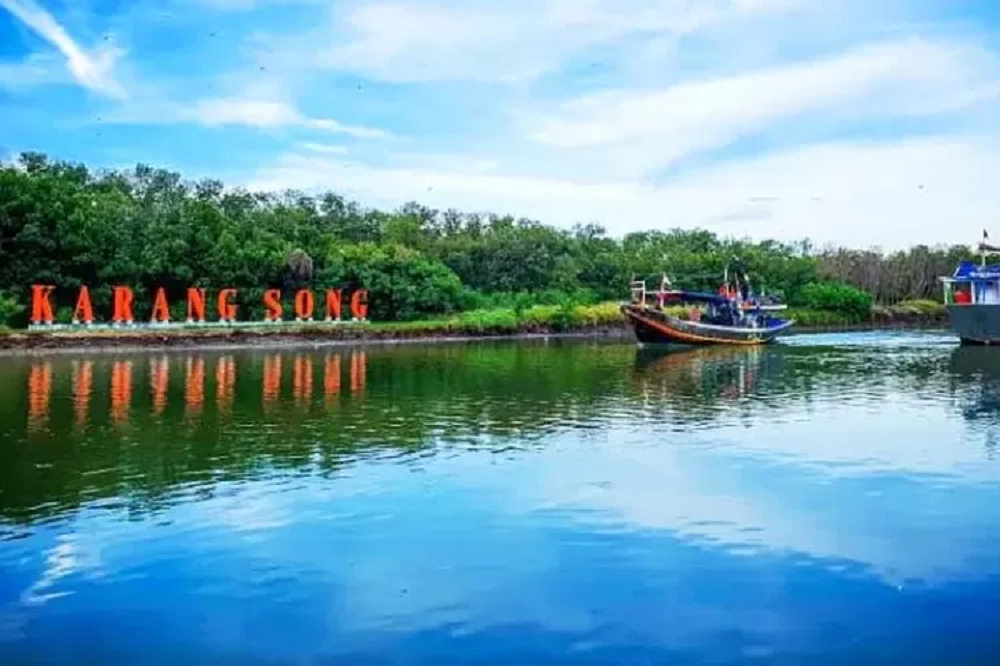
column 655, row 327
column 976, row 324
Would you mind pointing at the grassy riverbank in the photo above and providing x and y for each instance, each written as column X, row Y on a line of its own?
column 603, row 319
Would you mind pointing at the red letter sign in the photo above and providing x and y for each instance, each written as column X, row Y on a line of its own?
column 196, row 305
column 123, row 305
column 304, row 304
column 161, row 311
column 41, row 306
column 272, row 305
column 84, row 310
column 227, row 311
column 359, row 304
column 333, row 304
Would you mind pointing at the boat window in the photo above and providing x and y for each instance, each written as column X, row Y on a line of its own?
column 960, row 292
column 983, row 291
column 990, row 293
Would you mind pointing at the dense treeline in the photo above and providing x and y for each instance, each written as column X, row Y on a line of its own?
column 903, row 275
column 65, row 225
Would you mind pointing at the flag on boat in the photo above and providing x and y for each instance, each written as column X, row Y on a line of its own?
column 986, row 235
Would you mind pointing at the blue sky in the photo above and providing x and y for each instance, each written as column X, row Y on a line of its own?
column 844, row 121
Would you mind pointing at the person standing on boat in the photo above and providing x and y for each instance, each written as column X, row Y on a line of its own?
column 741, row 277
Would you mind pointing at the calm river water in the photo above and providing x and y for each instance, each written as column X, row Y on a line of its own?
column 832, row 499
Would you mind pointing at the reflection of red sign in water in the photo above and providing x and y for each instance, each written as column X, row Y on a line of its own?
column 83, row 382
column 302, row 378
column 121, row 390
column 159, row 371
column 194, row 385
column 120, row 377
column 225, row 381
column 331, row 377
column 272, row 378
column 39, row 394
column 226, row 311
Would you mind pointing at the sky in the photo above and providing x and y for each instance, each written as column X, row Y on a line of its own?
column 846, row 122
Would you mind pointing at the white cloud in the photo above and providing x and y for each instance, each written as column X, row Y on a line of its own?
column 351, row 130
column 246, row 5
column 323, row 148
column 92, row 70
column 895, row 194
column 233, row 111
column 268, row 113
column 36, row 69
column 231, row 5
column 594, row 154
column 398, row 41
column 245, row 111
column 653, row 128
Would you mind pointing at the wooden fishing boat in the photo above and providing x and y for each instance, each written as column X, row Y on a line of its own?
column 733, row 316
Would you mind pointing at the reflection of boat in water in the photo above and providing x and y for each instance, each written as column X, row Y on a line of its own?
column 975, row 373
column 733, row 316
column 716, row 372
column 975, row 364
column 977, row 370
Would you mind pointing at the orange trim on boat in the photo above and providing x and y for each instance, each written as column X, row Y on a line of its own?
column 691, row 337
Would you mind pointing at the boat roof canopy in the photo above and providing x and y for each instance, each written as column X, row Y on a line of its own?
column 968, row 270
column 696, row 297
column 764, row 303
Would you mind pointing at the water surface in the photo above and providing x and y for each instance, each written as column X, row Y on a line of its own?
column 833, row 499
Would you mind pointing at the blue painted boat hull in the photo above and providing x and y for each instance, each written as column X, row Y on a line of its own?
column 975, row 324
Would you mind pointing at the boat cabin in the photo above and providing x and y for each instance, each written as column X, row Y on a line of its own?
column 732, row 306
column 973, row 285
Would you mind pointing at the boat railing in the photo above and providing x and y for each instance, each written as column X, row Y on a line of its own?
column 638, row 288
column 640, row 291
column 985, row 249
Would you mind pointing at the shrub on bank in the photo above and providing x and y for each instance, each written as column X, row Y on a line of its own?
column 807, row 317
column 915, row 312
column 920, row 307
column 600, row 314
column 10, row 310
column 836, row 297
column 568, row 317
column 542, row 316
column 523, row 301
column 488, row 321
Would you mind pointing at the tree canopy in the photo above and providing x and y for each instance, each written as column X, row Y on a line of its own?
column 66, row 225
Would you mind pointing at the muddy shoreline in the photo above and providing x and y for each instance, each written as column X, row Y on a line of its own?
column 36, row 342
column 229, row 339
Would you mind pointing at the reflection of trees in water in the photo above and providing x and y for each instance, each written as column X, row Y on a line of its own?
column 144, row 426
column 148, row 426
